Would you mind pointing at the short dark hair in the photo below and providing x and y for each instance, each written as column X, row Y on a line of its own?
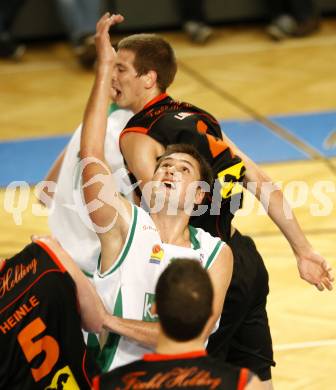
column 152, row 52
column 204, row 167
column 184, row 297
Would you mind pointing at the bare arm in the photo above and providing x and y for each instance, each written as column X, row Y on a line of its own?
column 220, row 274
column 313, row 268
column 144, row 333
column 141, row 152
column 53, row 172
column 45, row 196
column 106, row 207
column 92, row 310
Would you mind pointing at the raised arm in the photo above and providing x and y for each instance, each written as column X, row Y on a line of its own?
column 107, row 208
column 313, row 268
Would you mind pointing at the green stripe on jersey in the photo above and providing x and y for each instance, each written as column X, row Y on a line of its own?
column 193, row 238
column 214, row 253
column 126, row 247
column 110, row 348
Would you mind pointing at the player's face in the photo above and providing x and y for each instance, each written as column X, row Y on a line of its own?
column 127, row 86
column 178, row 177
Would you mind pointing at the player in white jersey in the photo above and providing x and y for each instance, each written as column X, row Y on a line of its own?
column 128, row 286
column 137, row 246
column 68, row 219
column 134, row 269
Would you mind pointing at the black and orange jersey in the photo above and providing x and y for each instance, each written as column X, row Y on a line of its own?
column 172, row 122
column 192, row 370
column 41, row 342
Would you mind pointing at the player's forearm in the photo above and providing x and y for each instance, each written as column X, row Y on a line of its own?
column 144, row 333
column 276, row 205
column 92, row 309
column 95, row 115
column 107, row 209
column 280, row 211
column 47, row 189
column 53, row 172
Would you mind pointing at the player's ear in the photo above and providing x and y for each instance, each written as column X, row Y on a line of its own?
column 199, row 196
column 201, row 191
column 149, row 79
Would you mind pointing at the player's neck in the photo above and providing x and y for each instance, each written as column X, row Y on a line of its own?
column 167, row 346
column 147, row 99
column 173, row 229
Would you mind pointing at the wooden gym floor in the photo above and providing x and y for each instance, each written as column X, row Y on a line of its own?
column 240, row 74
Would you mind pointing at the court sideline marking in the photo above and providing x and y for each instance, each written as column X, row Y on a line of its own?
column 304, row 345
column 250, row 47
column 32, row 67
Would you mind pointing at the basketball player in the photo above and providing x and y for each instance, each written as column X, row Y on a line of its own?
column 184, row 297
column 45, row 299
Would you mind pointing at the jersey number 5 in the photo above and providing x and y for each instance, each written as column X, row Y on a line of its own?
column 32, row 348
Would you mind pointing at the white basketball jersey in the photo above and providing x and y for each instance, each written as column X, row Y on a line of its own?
column 68, row 220
column 128, row 287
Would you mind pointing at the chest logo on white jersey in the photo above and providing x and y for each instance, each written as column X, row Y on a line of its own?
column 156, row 255
column 148, row 312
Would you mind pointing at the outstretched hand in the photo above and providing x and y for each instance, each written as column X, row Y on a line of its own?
column 105, row 50
column 314, row 269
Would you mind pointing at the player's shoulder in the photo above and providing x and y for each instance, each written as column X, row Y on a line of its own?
column 30, row 250
column 205, row 237
column 210, row 247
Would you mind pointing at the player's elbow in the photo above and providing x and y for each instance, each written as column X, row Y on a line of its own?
column 87, row 152
column 93, row 325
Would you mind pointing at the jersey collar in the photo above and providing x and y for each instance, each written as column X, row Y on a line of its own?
column 156, row 100
column 152, row 357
